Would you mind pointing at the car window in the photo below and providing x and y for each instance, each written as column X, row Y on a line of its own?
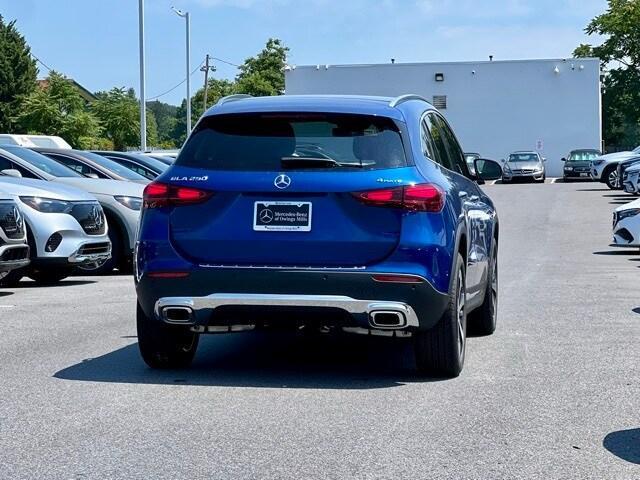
column 294, row 141
column 524, row 157
column 453, row 147
column 134, row 167
column 440, row 153
column 76, row 165
column 6, row 164
column 41, row 162
column 112, row 166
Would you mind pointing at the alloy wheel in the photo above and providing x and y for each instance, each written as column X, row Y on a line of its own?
column 460, row 314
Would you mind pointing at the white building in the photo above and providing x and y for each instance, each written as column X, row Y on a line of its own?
column 495, row 107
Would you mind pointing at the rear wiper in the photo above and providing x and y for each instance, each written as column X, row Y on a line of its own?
column 313, row 162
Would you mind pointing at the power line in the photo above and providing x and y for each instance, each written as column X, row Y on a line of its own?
column 225, row 61
column 176, row 86
column 41, row 62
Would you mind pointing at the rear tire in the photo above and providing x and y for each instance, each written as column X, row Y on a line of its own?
column 165, row 346
column 440, row 351
column 483, row 320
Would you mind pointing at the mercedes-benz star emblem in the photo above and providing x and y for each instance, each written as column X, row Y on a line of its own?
column 282, row 181
column 266, row 215
column 18, row 218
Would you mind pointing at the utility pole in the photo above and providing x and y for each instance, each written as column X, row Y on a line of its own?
column 143, row 98
column 205, row 68
column 187, row 18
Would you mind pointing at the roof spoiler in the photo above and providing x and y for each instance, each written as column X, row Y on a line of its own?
column 233, row 98
column 405, row 98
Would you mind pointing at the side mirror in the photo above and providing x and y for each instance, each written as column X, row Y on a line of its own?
column 487, row 169
column 544, row 159
column 502, row 160
column 12, row 172
column 563, row 159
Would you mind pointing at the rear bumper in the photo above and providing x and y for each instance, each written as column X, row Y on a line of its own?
column 213, row 295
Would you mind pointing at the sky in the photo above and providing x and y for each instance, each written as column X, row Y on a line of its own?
column 95, row 42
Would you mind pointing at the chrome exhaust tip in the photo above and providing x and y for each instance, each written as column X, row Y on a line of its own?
column 387, row 319
column 177, row 315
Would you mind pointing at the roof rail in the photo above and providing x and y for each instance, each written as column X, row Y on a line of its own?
column 405, row 98
column 233, row 98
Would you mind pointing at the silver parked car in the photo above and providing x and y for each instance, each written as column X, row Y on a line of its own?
column 524, row 165
column 66, row 228
column 14, row 251
column 121, row 201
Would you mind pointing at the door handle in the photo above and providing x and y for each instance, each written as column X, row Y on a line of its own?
column 474, row 198
column 462, row 194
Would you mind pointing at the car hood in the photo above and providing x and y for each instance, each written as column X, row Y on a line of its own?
column 41, row 188
column 615, row 157
column 628, row 206
column 520, row 165
column 103, row 186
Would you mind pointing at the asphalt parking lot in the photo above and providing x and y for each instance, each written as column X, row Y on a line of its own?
column 553, row 394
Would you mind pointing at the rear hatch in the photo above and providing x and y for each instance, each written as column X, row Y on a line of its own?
column 283, row 190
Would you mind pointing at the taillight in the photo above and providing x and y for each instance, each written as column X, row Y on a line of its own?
column 158, row 194
column 424, row 197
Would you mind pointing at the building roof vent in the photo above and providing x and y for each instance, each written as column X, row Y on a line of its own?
column 440, row 102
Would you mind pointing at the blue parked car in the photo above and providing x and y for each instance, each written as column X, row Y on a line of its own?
column 347, row 213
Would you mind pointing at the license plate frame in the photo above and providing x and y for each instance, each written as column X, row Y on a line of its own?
column 282, row 216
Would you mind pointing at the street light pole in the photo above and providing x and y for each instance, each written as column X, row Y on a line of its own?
column 143, row 98
column 187, row 18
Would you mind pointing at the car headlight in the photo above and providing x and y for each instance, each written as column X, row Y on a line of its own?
column 507, row 168
column 568, row 169
column 134, row 203
column 595, row 163
column 628, row 213
column 47, row 205
column 538, row 169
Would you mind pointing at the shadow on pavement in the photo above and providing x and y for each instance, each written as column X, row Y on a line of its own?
column 593, row 190
column 62, row 283
column 261, row 359
column 636, row 310
column 5, row 294
column 624, row 444
column 617, row 252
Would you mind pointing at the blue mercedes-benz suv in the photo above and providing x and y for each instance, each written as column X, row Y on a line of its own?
column 320, row 213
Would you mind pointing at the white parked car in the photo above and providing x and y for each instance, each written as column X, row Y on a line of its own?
column 14, row 251
column 630, row 179
column 66, row 228
column 49, row 141
column 604, row 168
column 121, row 201
column 626, row 225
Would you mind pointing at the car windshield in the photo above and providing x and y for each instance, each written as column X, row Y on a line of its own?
column 523, row 157
column 113, row 166
column 582, row 155
column 45, row 164
column 294, row 141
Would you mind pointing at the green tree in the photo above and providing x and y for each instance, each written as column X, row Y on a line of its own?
column 119, row 113
column 263, row 74
column 217, row 89
column 620, row 56
column 58, row 109
column 165, row 116
column 17, row 73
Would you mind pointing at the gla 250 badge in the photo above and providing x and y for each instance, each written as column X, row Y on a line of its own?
column 202, row 178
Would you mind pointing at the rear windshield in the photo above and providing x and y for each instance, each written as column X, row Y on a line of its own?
column 294, row 141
